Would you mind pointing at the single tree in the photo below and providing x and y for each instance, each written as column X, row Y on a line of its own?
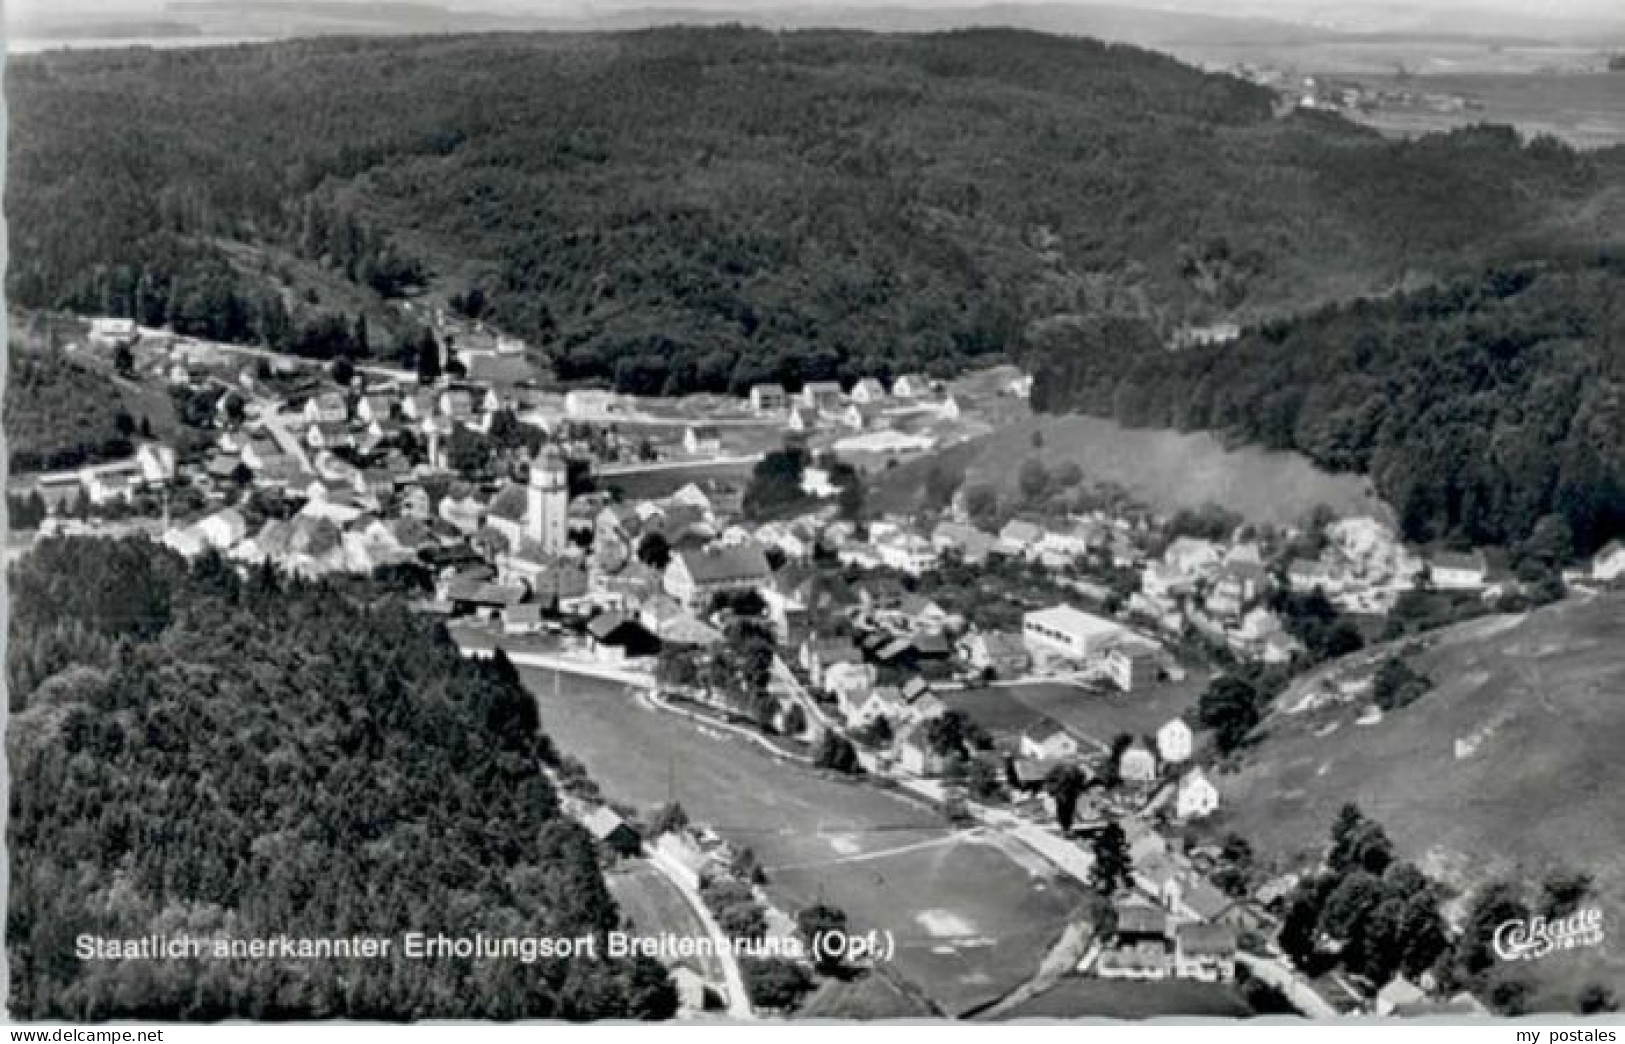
column 654, row 550
column 823, row 928
column 1112, row 868
column 1065, row 785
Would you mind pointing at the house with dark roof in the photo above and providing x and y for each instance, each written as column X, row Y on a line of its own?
column 613, row 832
column 818, row 654
column 1205, row 951
column 616, row 637
column 695, row 577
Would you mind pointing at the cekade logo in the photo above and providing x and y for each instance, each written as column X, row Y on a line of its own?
column 1528, row 940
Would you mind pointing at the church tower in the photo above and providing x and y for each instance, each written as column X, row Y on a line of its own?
column 547, row 510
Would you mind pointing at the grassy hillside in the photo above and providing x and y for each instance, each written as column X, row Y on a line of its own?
column 1164, row 470
column 681, row 209
column 1509, row 768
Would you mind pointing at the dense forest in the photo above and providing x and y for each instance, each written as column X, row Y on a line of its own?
column 701, row 209
column 1487, row 410
column 196, row 753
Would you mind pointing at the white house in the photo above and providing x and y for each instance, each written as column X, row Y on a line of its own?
column 1131, row 665
column 1065, row 631
column 1454, row 571
column 375, row 406
column 1609, row 563
column 1192, row 556
column 113, row 330
column 1399, row 992
column 1137, row 765
column 821, row 395
column 1174, row 741
column 907, row 553
column 157, row 463
column 328, row 408
column 868, row 391
column 1048, row 743
column 1197, row 797
column 1020, row 538
column 768, row 398
column 223, row 529
column 911, row 386
column 816, row 482
column 589, row 402
column 702, row 439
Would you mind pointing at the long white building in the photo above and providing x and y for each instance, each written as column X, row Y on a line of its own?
column 1072, row 633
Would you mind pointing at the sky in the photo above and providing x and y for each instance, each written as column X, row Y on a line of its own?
column 1348, row 14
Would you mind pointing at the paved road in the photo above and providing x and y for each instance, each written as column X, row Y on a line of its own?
column 1291, row 984
column 738, row 996
column 265, row 353
column 675, row 465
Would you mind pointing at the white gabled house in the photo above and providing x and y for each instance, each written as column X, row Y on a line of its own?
column 1609, row 563
column 1197, row 797
column 1174, row 742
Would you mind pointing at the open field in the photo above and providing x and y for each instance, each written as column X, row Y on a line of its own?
column 1097, row 716
column 1165, row 470
column 649, row 485
column 872, row 996
column 970, row 918
column 653, row 905
column 1075, row 997
column 1381, row 53
column 1508, row 768
column 1587, row 110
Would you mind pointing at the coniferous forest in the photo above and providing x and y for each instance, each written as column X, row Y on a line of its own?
column 196, row 753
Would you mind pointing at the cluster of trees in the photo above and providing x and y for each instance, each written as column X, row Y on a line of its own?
column 738, row 670
column 25, row 512
column 1372, row 913
column 196, row 752
column 775, row 484
column 836, row 753
column 501, row 450
column 1397, row 684
column 1367, row 910
column 1486, row 410
column 846, row 219
column 1313, row 619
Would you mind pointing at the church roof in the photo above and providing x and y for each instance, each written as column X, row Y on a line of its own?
column 510, row 503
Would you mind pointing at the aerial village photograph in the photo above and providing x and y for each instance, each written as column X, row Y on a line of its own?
column 759, row 512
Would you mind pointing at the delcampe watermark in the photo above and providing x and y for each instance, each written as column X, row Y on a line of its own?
column 1528, row 939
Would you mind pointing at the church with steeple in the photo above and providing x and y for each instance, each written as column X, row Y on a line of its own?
column 547, row 508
